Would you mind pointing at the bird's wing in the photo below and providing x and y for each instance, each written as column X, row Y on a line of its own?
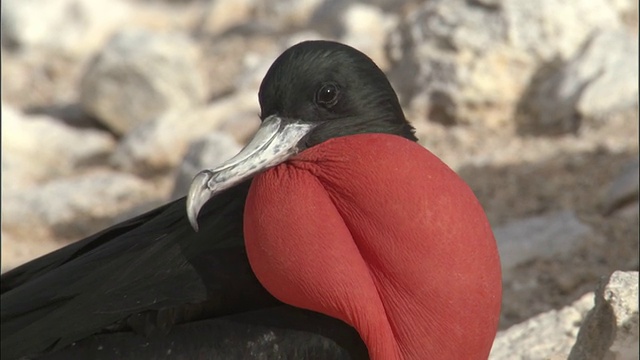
column 281, row 332
column 33, row 269
column 146, row 273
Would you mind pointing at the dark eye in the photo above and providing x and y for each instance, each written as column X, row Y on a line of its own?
column 327, row 95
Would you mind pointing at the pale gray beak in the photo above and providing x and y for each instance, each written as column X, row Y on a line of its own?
column 275, row 141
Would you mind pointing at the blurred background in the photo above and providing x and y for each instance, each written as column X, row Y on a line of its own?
column 109, row 107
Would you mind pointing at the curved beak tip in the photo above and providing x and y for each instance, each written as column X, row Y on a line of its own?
column 193, row 220
column 199, row 194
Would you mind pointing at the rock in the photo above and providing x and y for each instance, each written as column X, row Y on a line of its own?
column 73, row 27
column 72, row 208
column 241, row 127
column 624, row 189
column 628, row 12
column 328, row 18
column 255, row 65
column 235, row 62
column 38, row 148
column 549, row 335
column 539, row 237
column 610, row 65
column 287, row 14
column 470, row 62
column 170, row 16
column 158, row 146
column 598, row 82
column 38, row 79
column 351, row 20
column 222, row 15
column 610, row 330
column 301, row 36
column 366, row 28
column 624, row 6
column 141, row 75
column 206, row 153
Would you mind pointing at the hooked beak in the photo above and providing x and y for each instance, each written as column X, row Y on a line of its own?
column 275, row 141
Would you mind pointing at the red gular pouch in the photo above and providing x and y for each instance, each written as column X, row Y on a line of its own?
column 375, row 230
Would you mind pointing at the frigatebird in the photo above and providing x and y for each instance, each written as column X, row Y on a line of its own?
column 332, row 234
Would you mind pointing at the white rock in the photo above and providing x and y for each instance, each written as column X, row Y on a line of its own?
column 366, row 28
column 37, row 148
column 222, row 15
column 627, row 10
column 206, row 153
column 159, row 145
column 236, row 62
column 141, row 75
column 610, row 330
column 72, row 208
column 76, row 27
column 549, row 335
column 539, row 237
column 242, row 126
column 254, row 67
column 600, row 81
column 608, row 68
column 555, row 28
column 462, row 62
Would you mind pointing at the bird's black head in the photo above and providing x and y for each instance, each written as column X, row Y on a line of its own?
column 335, row 86
column 315, row 91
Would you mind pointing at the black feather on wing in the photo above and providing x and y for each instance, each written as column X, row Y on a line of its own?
column 146, row 273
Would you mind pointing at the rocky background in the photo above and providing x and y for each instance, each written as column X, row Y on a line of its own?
column 109, row 107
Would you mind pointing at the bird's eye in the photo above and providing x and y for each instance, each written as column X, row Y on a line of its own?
column 327, row 95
